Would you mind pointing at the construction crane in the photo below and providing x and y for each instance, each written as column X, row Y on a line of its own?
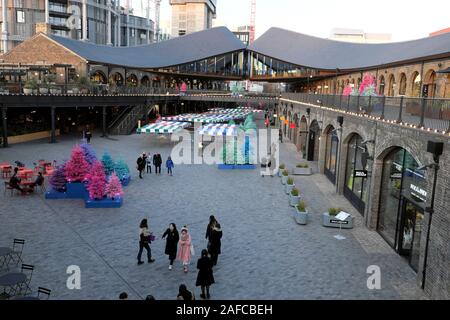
column 252, row 21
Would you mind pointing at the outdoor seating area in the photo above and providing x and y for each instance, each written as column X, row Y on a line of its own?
column 16, row 276
column 28, row 178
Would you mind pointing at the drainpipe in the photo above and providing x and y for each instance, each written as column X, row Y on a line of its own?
column 4, row 26
column 85, row 21
column 108, row 25
column 47, row 19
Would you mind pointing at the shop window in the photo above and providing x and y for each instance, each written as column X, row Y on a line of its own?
column 332, row 144
column 416, row 82
column 20, row 15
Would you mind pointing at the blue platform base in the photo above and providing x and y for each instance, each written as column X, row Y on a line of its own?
column 53, row 194
column 236, row 167
column 125, row 181
column 76, row 190
column 105, row 203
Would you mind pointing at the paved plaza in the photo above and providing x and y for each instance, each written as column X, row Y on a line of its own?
column 265, row 254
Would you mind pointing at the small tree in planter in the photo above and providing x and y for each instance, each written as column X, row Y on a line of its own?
column 77, row 167
column 302, row 169
column 114, row 187
column 329, row 219
column 30, row 86
column 294, row 197
column 89, row 153
column 58, row 179
column 280, row 169
column 84, row 84
column 108, row 163
column 284, row 176
column 289, row 185
column 97, row 181
column 301, row 213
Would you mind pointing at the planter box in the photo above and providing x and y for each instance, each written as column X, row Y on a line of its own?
column 332, row 222
column 55, row 91
column 279, row 172
column 53, row 195
column 27, row 91
column 76, row 190
column 125, row 181
column 43, row 90
column 236, row 166
column 301, row 217
column 302, row 171
column 284, row 179
column 288, row 188
column 293, row 201
column 104, row 203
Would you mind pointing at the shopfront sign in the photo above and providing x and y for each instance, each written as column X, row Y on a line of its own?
column 418, row 192
column 360, row 174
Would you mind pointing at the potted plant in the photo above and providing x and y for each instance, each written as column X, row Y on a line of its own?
column 284, row 176
column 294, row 197
column 44, row 87
column 289, row 185
column 84, row 85
column 30, row 86
column 54, row 89
column 280, row 169
column 301, row 214
column 303, row 169
column 329, row 219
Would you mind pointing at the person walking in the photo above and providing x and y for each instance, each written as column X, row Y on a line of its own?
column 149, row 163
column 211, row 224
column 140, row 165
column 145, row 239
column 155, row 162
column 185, row 294
column 205, row 277
column 88, row 134
column 280, row 133
column 215, row 243
column 169, row 165
column 184, row 248
column 171, row 243
column 158, row 163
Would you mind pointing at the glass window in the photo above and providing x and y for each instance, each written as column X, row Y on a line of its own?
column 20, row 16
column 332, row 149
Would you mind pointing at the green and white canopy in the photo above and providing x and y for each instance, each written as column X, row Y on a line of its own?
column 163, row 127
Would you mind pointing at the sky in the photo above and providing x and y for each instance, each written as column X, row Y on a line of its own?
column 404, row 19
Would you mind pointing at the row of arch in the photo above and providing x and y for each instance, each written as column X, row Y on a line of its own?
column 117, row 78
column 411, row 84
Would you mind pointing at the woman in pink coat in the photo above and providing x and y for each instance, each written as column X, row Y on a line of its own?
column 184, row 248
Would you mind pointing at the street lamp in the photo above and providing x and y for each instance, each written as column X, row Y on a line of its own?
column 436, row 148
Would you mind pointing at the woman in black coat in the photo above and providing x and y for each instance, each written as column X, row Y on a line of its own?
column 215, row 243
column 172, row 242
column 205, row 276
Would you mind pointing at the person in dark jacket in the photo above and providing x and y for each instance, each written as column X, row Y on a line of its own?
column 171, row 243
column 215, row 243
column 14, row 181
column 185, row 294
column 140, row 165
column 211, row 224
column 144, row 242
column 205, row 277
column 157, row 161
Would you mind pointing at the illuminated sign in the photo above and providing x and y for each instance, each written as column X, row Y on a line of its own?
column 418, row 192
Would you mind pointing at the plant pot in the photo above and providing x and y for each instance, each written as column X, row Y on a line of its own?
column 294, row 200
column 332, row 222
column 302, row 171
column 84, row 91
column 288, row 188
column 76, row 190
column 75, row 90
column 27, row 91
column 301, row 217
column 284, row 179
column 279, row 172
column 43, row 90
column 104, row 203
column 55, row 91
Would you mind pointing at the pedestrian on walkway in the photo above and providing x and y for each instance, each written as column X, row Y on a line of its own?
column 169, row 165
column 157, row 161
column 140, row 165
column 185, row 248
column 211, row 224
column 185, row 294
column 145, row 239
column 280, row 133
column 215, row 243
column 88, row 134
column 205, row 277
column 149, row 163
column 171, row 243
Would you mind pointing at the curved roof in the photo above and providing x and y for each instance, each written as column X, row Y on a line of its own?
column 318, row 53
column 189, row 48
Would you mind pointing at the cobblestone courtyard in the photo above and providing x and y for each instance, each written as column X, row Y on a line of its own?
column 265, row 254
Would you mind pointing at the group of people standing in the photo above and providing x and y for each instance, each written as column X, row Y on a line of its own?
column 179, row 247
column 146, row 161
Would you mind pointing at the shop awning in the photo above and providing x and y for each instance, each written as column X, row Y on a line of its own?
column 215, row 130
column 163, row 127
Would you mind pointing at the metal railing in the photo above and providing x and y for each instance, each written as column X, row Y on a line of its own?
column 129, row 122
column 427, row 113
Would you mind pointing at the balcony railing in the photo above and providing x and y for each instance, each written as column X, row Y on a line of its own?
column 426, row 113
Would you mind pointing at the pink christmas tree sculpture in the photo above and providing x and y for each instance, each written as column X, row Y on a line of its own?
column 114, row 187
column 77, row 167
column 96, row 181
column 348, row 90
column 367, row 86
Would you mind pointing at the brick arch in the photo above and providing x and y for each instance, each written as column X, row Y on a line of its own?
column 391, row 83
column 388, row 147
column 403, row 83
column 382, row 85
column 346, row 139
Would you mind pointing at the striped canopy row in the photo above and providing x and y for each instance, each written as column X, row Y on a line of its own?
column 203, row 118
column 219, row 130
column 163, row 127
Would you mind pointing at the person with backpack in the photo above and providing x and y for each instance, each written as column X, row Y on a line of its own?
column 145, row 239
column 169, row 165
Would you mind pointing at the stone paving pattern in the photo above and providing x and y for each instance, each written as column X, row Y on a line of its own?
column 265, row 254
